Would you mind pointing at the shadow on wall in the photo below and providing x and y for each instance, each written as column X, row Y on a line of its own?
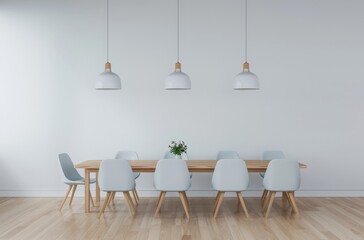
column 6, row 179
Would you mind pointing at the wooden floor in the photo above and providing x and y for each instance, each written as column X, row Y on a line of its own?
column 320, row 218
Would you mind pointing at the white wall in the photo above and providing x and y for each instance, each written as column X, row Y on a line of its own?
column 307, row 54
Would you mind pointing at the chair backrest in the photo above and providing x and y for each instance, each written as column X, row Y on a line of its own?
column 172, row 175
column 169, row 155
column 68, row 168
column 269, row 155
column 127, row 155
column 227, row 155
column 230, row 175
column 116, row 175
column 282, row 175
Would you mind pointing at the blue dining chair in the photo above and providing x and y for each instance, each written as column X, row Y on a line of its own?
column 282, row 175
column 116, row 176
column 72, row 177
column 171, row 175
column 230, row 175
column 130, row 155
column 227, row 155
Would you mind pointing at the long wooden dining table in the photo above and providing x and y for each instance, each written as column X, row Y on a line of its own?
column 148, row 166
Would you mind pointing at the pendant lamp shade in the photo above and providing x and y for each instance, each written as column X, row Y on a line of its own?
column 246, row 80
column 107, row 80
column 178, row 80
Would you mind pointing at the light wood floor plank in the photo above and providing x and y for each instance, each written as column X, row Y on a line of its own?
column 320, row 218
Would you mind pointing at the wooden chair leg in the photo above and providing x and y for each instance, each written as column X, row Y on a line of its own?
column 159, row 204
column 159, row 198
column 135, row 195
column 112, row 196
column 217, row 196
column 284, row 198
column 221, row 197
column 97, row 189
column 92, row 201
column 184, row 203
column 131, row 201
column 129, row 204
column 293, row 200
column 216, row 201
column 266, row 200
column 241, row 200
column 102, row 209
column 264, row 195
column 65, row 198
column 289, row 200
column 73, row 194
column 188, row 203
column 271, row 199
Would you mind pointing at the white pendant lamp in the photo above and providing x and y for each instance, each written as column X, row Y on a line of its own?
column 107, row 80
column 178, row 80
column 246, row 80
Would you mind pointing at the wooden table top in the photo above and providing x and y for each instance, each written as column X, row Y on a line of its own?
column 193, row 165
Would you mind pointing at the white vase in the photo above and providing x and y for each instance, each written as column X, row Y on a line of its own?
column 177, row 156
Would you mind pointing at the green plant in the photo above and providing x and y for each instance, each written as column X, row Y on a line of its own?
column 178, row 148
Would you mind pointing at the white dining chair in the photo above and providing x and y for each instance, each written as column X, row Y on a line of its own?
column 227, row 155
column 169, row 155
column 130, row 155
column 116, row 176
column 282, row 175
column 269, row 155
column 230, row 175
column 72, row 177
column 171, row 175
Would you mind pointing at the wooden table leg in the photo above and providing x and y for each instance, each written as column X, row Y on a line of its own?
column 87, row 190
column 97, row 190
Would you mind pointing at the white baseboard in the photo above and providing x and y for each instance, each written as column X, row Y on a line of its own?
column 190, row 193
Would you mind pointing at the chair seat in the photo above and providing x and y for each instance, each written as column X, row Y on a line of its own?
column 113, row 189
column 172, row 189
column 172, row 175
column 128, row 155
column 270, row 155
column 282, row 175
column 79, row 182
column 170, row 155
column 226, row 189
column 281, row 189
